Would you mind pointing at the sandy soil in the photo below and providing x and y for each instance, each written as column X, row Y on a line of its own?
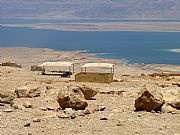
column 120, row 112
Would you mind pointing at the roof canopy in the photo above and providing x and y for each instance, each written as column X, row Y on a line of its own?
column 56, row 64
column 105, row 65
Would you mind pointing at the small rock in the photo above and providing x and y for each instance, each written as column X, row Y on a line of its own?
column 173, row 112
column 29, row 133
column 119, row 123
column 73, row 116
column 36, row 120
column 27, row 124
column 178, row 84
column 27, row 104
column 43, row 108
column 103, row 118
column 152, row 111
column 19, row 107
column 100, row 108
column 163, row 85
column 68, row 111
column 81, row 114
column 62, row 115
column 137, row 132
column 86, row 112
column 160, row 128
column 8, row 110
column 1, row 104
column 51, row 108
column 139, row 115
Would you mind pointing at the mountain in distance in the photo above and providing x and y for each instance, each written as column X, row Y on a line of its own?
column 145, row 9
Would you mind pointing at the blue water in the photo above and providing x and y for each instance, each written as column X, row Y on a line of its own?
column 59, row 21
column 136, row 47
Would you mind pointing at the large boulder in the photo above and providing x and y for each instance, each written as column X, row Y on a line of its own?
column 149, row 100
column 88, row 92
column 28, row 91
column 6, row 96
column 72, row 97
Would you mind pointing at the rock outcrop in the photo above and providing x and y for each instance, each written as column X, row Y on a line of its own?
column 28, row 91
column 6, row 97
column 149, row 100
column 72, row 97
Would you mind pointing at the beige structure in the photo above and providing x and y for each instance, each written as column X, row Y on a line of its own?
column 85, row 76
column 58, row 65
column 98, row 65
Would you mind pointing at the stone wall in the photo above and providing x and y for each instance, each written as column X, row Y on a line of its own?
column 94, row 77
column 11, row 64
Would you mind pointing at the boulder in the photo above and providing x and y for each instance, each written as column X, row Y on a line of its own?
column 72, row 97
column 6, row 97
column 175, row 104
column 167, row 109
column 171, row 94
column 149, row 100
column 88, row 92
column 28, row 91
column 27, row 104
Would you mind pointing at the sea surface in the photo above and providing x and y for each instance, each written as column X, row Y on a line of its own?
column 56, row 21
column 134, row 47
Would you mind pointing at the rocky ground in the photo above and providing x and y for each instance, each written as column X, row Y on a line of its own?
column 29, row 105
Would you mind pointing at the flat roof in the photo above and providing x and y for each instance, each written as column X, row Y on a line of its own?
column 56, row 64
column 105, row 65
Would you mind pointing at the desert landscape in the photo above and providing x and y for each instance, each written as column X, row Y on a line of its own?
column 143, row 99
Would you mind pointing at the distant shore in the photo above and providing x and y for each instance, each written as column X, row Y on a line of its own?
column 105, row 26
column 175, row 50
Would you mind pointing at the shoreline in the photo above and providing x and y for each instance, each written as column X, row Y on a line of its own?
column 28, row 56
column 104, row 26
column 175, row 50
